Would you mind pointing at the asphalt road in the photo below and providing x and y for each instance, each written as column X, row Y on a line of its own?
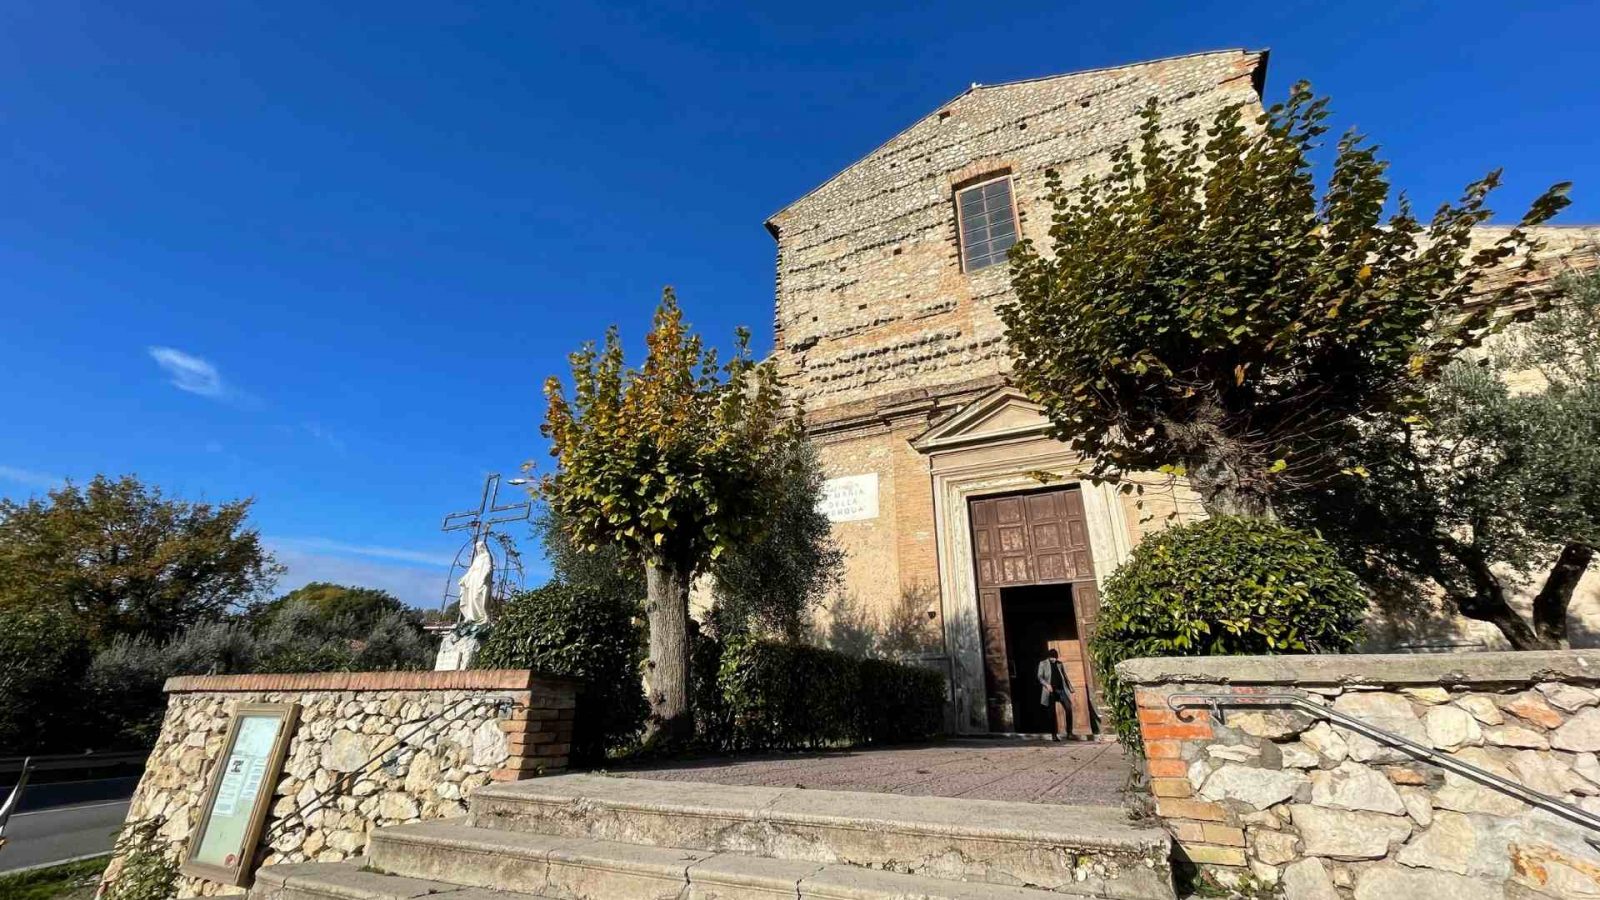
column 47, row 830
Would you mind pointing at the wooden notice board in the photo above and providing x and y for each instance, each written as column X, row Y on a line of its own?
column 222, row 847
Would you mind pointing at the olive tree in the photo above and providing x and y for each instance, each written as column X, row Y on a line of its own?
column 671, row 461
column 1201, row 310
column 1484, row 482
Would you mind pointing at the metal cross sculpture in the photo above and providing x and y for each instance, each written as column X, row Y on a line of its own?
column 480, row 521
column 489, row 512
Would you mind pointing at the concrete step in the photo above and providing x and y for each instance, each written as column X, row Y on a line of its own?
column 568, row 868
column 350, row 880
column 1085, row 850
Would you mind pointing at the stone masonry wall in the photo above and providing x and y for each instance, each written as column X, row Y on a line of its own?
column 871, row 297
column 364, row 754
column 1327, row 813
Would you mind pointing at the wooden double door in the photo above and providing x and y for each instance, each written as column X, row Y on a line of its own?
column 1036, row 592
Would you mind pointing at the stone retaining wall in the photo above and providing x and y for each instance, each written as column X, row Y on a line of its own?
column 364, row 738
column 1327, row 813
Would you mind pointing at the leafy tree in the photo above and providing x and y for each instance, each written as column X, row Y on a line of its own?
column 767, row 585
column 1486, row 481
column 1201, row 311
column 672, row 462
column 770, row 584
column 358, row 608
column 127, row 560
column 602, row 570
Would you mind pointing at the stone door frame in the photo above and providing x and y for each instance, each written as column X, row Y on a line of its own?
column 1109, row 545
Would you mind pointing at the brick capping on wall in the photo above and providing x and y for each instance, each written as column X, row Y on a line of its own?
column 1326, row 812
column 469, row 680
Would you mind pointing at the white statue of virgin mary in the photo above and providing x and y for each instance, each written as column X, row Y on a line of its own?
column 477, row 584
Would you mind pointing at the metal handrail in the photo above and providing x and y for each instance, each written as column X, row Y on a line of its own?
column 319, row 800
column 1181, row 702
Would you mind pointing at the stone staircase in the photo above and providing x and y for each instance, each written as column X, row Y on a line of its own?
column 591, row 837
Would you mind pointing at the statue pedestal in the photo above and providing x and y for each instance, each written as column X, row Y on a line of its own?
column 455, row 653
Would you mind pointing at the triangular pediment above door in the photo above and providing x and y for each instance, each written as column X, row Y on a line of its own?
column 1003, row 414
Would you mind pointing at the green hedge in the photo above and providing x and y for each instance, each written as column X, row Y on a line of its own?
column 1226, row 586
column 569, row 631
column 790, row 696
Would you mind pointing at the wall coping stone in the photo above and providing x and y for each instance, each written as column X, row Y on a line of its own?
column 469, row 680
column 1524, row 667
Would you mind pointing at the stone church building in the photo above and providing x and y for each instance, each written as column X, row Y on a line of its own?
column 959, row 514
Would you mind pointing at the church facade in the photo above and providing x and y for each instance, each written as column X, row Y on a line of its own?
column 963, row 521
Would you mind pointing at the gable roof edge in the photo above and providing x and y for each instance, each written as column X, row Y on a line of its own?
column 1259, row 81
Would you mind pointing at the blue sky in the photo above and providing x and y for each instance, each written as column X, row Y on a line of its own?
column 323, row 254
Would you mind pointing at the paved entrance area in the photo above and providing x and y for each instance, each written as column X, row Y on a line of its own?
column 983, row 769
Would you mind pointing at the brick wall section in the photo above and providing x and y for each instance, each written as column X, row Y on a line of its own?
column 1326, row 812
column 367, row 752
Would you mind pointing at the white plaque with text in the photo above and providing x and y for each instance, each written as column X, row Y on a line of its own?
column 852, row 498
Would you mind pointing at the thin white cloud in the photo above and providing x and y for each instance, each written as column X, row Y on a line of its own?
column 324, row 435
column 29, row 477
column 189, row 373
column 417, row 586
column 326, row 545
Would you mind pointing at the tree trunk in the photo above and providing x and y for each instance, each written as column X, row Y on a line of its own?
column 1488, row 603
column 667, row 606
column 1550, row 605
column 1223, row 492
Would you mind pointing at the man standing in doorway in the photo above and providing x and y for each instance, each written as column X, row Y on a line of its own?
column 1055, row 688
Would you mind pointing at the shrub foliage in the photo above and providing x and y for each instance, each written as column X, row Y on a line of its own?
column 564, row 630
column 792, row 696
column 43, row 655
column 1225, row 586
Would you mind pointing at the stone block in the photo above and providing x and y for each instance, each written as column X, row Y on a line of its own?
column 1481, row 708
column 1567, row 697
column 1355, row 787
column 1347, row 834
column 1530, row 706
column 1451, row 727
column 1274, row 724
column 1580, row 734
column 1274, row 847
column 1308, row 880
column 1428, row 695
column 1326, row 742
column 1388, row 882
column 1259, row 788
column 1464, row 844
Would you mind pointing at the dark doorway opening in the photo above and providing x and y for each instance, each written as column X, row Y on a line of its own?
column 1039, row 618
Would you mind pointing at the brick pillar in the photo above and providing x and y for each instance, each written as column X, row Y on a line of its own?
column 1203, row 832
column 539, row 731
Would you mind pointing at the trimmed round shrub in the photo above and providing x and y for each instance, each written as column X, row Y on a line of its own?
column 1227, row 586
column 562, row 630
